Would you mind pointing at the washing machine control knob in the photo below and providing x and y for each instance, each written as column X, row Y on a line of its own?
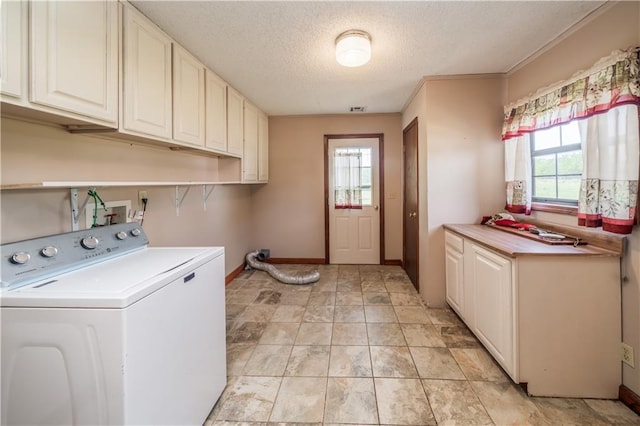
column 121, row 235
column 90, row 242
column 20, row 258
column 49, row 251
column 136, row 232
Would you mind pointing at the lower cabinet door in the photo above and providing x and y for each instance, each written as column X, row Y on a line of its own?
column 494, row 313
column 454, row 264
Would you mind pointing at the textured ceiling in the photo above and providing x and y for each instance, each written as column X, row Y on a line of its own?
column 281, row 56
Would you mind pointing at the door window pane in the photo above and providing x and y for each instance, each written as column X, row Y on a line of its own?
column 352, row 178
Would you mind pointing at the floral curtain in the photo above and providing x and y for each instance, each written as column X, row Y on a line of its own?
column 605, row 99
column 346, row 180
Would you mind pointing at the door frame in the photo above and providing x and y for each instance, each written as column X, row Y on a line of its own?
column 380, row 137
column 413, row 123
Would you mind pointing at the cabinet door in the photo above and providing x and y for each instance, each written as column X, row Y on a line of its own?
column 234, row 122
column 454, row 270
column 216, row 112
column 263, row 147
column 74, row 57
column 188, row 97
column 250, row 154
column 492, row 286
column 146, row 56
column 13, row 45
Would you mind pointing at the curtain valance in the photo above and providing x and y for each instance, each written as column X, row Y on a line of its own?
column 612, row 81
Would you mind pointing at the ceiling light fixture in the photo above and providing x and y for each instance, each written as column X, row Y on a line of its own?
column 353, row 48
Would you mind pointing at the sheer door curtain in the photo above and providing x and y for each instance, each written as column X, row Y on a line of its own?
column 346, row 180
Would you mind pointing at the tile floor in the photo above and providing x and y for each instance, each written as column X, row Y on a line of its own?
column 358, row 347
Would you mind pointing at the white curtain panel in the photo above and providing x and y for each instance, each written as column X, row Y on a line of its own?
column 347, row 180
column 611, row 160
column 517, row 172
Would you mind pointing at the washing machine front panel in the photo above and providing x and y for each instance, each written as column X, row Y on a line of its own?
column 54, row 364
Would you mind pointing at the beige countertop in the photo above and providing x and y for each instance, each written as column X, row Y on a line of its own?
column 512, row 245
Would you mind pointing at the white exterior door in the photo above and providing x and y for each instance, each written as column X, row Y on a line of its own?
column 354, row 219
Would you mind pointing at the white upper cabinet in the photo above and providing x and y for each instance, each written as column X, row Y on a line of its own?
column 250, row 155
column 216, row 112
column 13, row 47
column 235, row 122
column 188, row 97
column 263, row 147
column 74, row 57
column 146, row 56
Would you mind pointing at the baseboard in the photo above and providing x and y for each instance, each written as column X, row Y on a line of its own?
column 317, row 261
column 296, row 261
column 629, row 398
column 233, row 274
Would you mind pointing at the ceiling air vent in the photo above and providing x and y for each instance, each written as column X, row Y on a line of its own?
column 358, row 109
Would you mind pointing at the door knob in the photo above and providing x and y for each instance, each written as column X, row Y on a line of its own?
column 375, row 207
column 413, row 214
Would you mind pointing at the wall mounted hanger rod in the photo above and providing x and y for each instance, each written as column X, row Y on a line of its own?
column 75, row 209
column 180, row 200
column 205, row 195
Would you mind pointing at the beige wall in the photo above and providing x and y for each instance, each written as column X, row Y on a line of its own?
column 615, row 27
column 460, row 162
column 612, row 27
column 33, row 153
column 289, row 211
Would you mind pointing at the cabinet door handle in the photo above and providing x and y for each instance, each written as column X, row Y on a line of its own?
column 189, row 277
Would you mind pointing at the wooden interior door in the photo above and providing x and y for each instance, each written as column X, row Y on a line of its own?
column 410, row 219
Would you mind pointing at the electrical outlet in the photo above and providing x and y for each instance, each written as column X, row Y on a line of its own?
column 626, row 354
column 141, row 195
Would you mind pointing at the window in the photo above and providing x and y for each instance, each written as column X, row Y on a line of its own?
column 556, row 164
column 352, row 177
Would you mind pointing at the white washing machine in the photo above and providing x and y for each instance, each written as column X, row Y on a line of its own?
column 97, row 328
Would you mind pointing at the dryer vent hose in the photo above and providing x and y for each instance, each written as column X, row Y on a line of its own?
column 299, row 278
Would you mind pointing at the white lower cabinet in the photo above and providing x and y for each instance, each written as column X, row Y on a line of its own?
column 454, row 269
column 491, row 287
column 550, row 319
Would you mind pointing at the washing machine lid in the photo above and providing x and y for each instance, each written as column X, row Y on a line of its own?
column 114, row 283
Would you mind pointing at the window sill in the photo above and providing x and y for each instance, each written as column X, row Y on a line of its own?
column 555, row 208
